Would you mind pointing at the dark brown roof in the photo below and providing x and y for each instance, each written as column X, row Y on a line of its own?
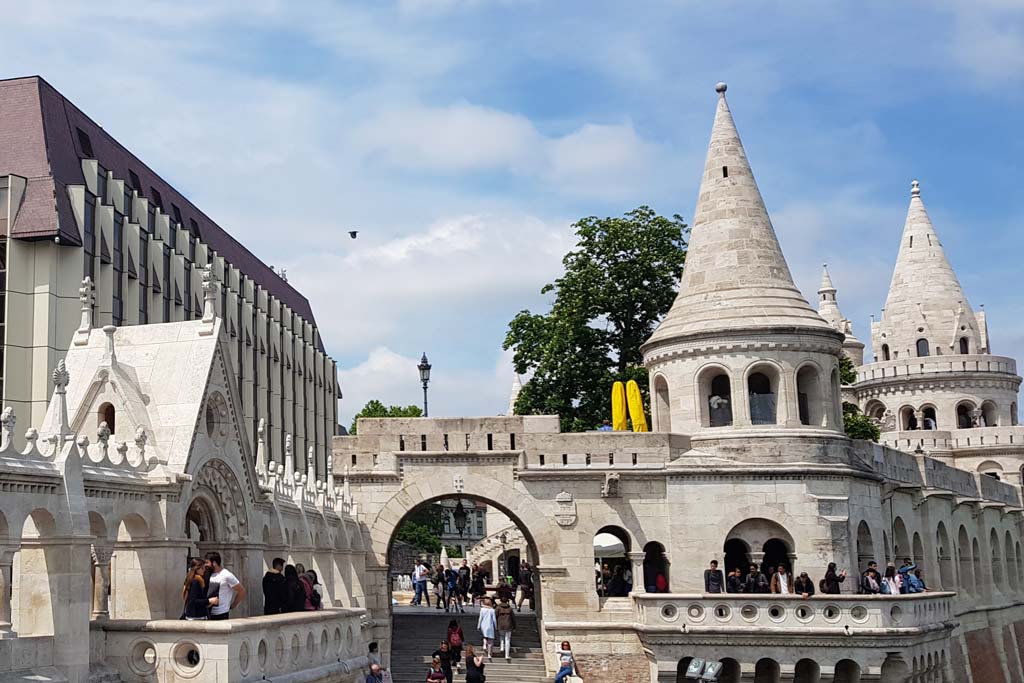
column 39, row 140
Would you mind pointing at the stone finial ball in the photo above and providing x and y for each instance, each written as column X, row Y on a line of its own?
column 721, row 87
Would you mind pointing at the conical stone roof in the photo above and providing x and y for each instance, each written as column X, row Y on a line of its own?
column 736, row 276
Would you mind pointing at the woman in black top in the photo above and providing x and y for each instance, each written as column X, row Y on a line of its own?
column 195, row 591
column 474, row 666
column 444, row 654
column 830, row 584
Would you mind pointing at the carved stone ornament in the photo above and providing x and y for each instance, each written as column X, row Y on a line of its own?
column 565, row 509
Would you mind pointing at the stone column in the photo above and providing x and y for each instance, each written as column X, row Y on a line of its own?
column 101, row 582
column 637, row 559
column 919, row 416
column 6, row 562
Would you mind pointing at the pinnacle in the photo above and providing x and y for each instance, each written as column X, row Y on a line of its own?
column 826, row 280
column 736, row 276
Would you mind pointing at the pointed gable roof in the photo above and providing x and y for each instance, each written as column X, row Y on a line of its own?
column 736, row 276
column 925, row 299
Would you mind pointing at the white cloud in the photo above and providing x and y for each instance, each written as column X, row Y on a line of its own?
column 594, row 159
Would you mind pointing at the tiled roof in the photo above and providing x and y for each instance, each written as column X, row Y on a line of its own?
column 39, row 141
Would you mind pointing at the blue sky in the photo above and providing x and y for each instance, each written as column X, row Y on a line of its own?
column 463, row 137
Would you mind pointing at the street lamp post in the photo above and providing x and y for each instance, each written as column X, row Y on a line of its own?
column 460, row 516
column 424, row 368
column 501, row 563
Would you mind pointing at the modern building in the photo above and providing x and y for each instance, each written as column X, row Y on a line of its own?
column 76, row 205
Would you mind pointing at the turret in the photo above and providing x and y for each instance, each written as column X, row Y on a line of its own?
column 828, row 308
column 740, row 348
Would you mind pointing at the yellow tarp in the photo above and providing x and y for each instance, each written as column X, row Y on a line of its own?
column 619, row 423
column 636, row 406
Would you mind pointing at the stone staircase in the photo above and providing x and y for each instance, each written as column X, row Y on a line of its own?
column 417, row 631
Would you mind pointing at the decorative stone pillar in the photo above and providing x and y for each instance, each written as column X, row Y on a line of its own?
column 6, row 562
column 637, row 559
column 919, row 417
column 101, row 582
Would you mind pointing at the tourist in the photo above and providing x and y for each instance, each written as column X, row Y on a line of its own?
column 196, row 606
column 419, row 583
column 465, row 578
column 617, row 586
column 295, row 592
column 892, row 582
column 477, row 585
column 782, row 581
column 526, row 586
column 376, row 674
column 504, row 590
column 230, row 592
column 606, row 426
column 439, row 583
column 830, row 583
column 505, row 621
column 486, row 624
column 566, row 663
column 920, row 581
column 455, row 638
column 906, row 571
column 318, row 590
column 444, row 654
column 755, row 581
column 734, row 581
column 451, row 583
column 713, row 581
column 474, row 664
column 311, row 600
column 628, row 575
column 660, row 583
column 275, row 593
column 869, row 579
column 436, row 674
column 803, row 586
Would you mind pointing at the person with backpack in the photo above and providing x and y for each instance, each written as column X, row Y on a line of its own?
column 892, row 583
column 505, row 620
column 455, row 638
column 436, row 674
column 451, row 582
column 829, row 584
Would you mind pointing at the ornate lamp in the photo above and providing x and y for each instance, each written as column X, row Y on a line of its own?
column 424, row 368
column 460, row 516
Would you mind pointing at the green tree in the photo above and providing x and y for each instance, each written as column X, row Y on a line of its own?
column 857, row 425
column 422, row 528
column 375, row 408
column 847, row 371
column 619, row 281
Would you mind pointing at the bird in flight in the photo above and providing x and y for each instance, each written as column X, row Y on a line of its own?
column 353, row 233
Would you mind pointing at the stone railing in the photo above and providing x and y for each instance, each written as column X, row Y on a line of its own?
column 25, row 653
column 944, row 440
column 838, row 614
column 908, row 367
column 327, row 645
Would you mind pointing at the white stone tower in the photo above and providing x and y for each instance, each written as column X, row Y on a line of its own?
column 933, row 370
column 740, row 349
column 828, row 308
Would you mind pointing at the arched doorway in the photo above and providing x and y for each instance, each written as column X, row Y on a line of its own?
column 611, row 561
column 737, row 555
column 200, row 526
column 655, row 565
column 763, row 542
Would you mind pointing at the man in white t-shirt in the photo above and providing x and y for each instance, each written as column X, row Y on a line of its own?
column 230, row 591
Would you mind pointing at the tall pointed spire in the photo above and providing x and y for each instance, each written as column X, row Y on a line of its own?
column 736, row 276
column 828, row 308
column 925, row 299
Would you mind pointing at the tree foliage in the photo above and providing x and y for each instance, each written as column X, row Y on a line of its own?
column 857, row 425
column 847, row 371
column 619, row 281
column 375, row 408
column 422, row 528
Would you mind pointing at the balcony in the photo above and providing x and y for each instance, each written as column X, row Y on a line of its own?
column 850, row 615
column 327, row 645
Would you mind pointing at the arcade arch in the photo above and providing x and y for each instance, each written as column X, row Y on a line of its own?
column 758, row 541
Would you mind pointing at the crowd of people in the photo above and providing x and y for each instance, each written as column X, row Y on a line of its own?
column 290, row 588
column 617, row 581
column 893, row 581
column 456, row 587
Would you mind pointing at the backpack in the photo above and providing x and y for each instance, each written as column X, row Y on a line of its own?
column 821, row 586
column 454, row 639
column 315, row 599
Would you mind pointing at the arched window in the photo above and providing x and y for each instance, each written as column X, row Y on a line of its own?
column 991, row 468
column 965, row 346
column 963, row 555
column 656, row 577
column 976, row 560
column 989, row 414
column 662, row 405
column 875, row 410
column 737, row 554
column 719, row 401
column 1011, row 571
column 761, row 390
column 922, row 348
column 908, row 421
column 847, row 671
column 106, row 414
column 900, row 539
column 964, row 419
column 945, row 556
column 766, row 671
column 930, row 420
column 611, row 554
column 1013, row 413
column 757, row 533
column 810, row 402
column 997, row 560
column 865, row 546
column 885, row 352
column 807, row 671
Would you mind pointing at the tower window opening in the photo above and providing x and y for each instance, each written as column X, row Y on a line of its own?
column 565, row 459
column 922, row 348
column 965, row 346
column 929, row 418
column 108, row 415
column 423, row 442
column 719, row 401
column 911, row 241
column 885, row 352
column 490, row 442
column 762, row 399
column 725, row 171
column 541, row 459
